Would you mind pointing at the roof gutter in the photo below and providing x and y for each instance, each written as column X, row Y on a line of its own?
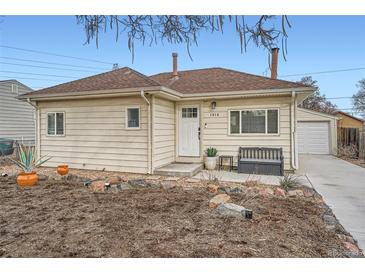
column 174, row 95
column 88, row 94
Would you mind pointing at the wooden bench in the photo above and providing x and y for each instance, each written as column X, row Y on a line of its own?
column 261, row 160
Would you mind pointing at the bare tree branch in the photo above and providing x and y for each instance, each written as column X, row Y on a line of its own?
column 358, row 99
column 316, row 101
column 185, row 29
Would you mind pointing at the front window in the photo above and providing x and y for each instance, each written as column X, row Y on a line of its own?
column 261, row 121
column 133, row 119
column 56, row 123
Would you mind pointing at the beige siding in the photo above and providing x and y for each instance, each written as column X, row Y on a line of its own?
column 307, row 115
column 95, row 135
column 17, row 118
column 215, row 127
column 164, row 132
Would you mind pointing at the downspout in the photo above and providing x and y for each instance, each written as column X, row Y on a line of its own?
column 38, row 128
column 149, row 145
column 293, row 126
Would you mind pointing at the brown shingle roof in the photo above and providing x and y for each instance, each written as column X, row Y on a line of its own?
column 218, row 80
column 115, row 79
column 187, row 82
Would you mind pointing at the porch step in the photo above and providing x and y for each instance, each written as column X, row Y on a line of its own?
column 179, row 169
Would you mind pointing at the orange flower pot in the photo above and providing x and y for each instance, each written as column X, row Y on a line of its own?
column 62, row 169
column 27, row 179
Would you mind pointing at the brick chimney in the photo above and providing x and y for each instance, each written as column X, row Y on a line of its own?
column 274, row 63
column 174, row 64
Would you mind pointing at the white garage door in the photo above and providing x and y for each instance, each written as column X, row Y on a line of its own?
column 313, row 137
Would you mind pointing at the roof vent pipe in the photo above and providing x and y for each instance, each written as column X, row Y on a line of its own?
column 174, row 64
column 274, row 63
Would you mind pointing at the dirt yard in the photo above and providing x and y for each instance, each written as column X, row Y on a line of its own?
column 64, row 219
column 359, row 162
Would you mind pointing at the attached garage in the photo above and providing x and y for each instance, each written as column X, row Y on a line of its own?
column 316, row 132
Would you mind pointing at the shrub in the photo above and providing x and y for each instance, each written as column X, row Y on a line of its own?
column 289, row 181
column 349, row 151
column 212, row 152
column 27, row 159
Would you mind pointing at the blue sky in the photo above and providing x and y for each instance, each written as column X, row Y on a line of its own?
column 316, row 43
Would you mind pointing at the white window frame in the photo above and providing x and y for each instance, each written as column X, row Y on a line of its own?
column 139, row 117
column 250, row 134
column 64, row 124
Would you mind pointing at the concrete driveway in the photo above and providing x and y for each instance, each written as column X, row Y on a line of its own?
column 342, row 185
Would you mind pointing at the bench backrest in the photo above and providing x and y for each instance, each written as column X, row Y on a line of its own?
column 260, row 153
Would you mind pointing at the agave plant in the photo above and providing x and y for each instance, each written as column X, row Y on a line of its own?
column 27, row 159
column 212, row 152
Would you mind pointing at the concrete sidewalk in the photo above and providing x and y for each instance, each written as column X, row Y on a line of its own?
column 342, row 186
column 234, row 177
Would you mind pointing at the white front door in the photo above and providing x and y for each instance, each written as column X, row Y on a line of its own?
column 189, row 131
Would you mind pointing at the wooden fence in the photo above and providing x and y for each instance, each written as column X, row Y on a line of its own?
column 362, row 144
column 351, row 141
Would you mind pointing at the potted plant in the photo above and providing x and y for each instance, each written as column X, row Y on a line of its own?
column 28, row 161
column 62, row 169
column 211, row 158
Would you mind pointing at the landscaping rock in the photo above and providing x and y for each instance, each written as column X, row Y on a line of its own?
column 188, row 188
column 193, row 181
column 352, row 248
column 70, row 177
column 268, row 191
column 138, row 183
column 295, row 192
column 42, row 177
column 153, row 178
column 279, row 192
column 329, row 219
column 124, row 178
column 173, row 179
column 154, row 184
column 166, row 185
column 235, row 190
column 212, row 188
column 218, row 199
column 346, row 238
column 97, row 186
column 87, row 183
column 309, row 193
column 113, row 180
column 123, row 186
column 230, row 209
column 330, row 227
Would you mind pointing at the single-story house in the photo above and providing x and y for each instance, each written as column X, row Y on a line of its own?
column 350, row 132
column 17, row 118
column 123, row 120
column 346, row 120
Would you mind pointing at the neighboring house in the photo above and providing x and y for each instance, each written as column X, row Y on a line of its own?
column 125, row 121
column 346, row 120
column 350, row 133
column 17, row 118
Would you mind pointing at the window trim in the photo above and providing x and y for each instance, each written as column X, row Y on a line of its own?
column 253, row 134
column 64, row 124
column 139, row 117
